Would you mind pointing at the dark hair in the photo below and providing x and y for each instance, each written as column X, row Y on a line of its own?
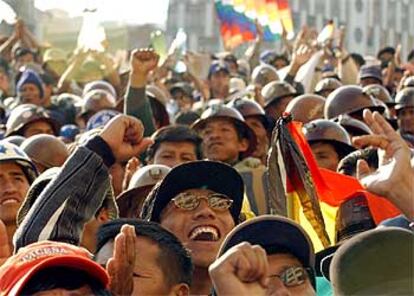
column 348, row 164
column 174, row 133
column 21, row 51
column 387, row 49
column 340, row 149
column 64, row 278
column 159, row 112
column 410, row 55
column 358, row 59
column 282, row 57
column 186, row 117
column 175, row 261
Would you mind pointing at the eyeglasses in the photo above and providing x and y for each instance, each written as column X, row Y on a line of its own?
column 189, row 201
column 293, row 276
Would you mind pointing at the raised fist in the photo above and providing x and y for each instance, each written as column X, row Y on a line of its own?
column 143, row 61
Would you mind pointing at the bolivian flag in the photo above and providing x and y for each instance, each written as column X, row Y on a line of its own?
column 310, row 195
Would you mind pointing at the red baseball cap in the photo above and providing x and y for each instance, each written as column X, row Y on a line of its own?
column 21, row 267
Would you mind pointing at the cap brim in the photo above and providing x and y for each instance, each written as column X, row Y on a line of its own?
column 272, row 233
column 75, row 262
column 215, row 176
column 370, row 76
column 132, row 200
column 323, row 260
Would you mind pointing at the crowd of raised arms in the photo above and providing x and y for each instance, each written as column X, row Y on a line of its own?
column 148, row 181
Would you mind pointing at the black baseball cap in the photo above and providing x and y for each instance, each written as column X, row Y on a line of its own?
column 215, row 176
column 274, row 234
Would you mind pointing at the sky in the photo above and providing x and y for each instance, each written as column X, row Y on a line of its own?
column 130, row 11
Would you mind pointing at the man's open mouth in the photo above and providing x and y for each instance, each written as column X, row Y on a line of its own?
column 205, row 233
column 11, row 200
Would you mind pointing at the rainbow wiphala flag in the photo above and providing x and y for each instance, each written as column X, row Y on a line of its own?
column 237, row 18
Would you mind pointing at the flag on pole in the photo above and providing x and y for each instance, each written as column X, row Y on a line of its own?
column 310, row 195
column 237, row 19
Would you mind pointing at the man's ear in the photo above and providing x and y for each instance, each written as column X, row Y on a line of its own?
column 243, row 145
column 103, row 215
column 181, row 290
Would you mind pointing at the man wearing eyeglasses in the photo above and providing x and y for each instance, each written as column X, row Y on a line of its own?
column 199, row 202
column 267, row 255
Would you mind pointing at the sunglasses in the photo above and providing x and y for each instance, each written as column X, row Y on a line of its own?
column 189, row 201
column 293, row 276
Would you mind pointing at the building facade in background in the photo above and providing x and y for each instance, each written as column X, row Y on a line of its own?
column 370, row 24
column 25, row 9
column 199, row 21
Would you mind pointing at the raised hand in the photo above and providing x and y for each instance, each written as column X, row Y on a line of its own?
column 394, row 178
column 131, row 167
column 259, row 30
column 144, row 60
column 302, row 55
column 121, row 266
column 124, row 135
column 242, row 270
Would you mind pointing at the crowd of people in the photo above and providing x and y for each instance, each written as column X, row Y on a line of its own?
column 149, row 181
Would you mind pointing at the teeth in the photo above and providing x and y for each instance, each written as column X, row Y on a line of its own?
column 9, row 201
column 204, row 229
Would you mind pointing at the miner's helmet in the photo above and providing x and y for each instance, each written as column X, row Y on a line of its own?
column 379, row 92
column 353, row 126
column 322, row 130
column 276, row 90
column 327, row 84
column 12, row 153
column 404, row 98
column 349, row 100
column 249, row 108
column 306, row 108
column 263, row 74
column 25, row 114
column 224, row 112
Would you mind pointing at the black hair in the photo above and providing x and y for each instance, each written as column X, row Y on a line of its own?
column 159, row 112
column 186, row 117
column 387, row 49
column 64, row 278
column 175, row 261
column 21, row 51
column 174, row 133
column 358, row 59
column 48, row 79
column 348, row 165
column 280, row 57
column 410, row 55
